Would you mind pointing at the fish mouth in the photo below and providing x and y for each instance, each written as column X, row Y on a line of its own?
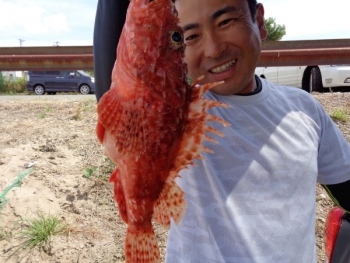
column 223, row 67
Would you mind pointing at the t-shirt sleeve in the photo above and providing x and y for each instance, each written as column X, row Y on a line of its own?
column 333, row 152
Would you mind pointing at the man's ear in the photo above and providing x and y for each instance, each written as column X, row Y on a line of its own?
column 259, row 16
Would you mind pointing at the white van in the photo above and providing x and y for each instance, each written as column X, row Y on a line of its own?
column 309, row 78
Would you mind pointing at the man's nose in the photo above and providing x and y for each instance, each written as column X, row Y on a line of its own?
column 213, row 47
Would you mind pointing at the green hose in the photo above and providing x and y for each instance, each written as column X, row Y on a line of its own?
column 17, row 182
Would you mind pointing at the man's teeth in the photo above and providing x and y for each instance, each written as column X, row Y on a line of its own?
column 223, row 67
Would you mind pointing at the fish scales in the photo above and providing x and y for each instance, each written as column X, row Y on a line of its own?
column 152, row 124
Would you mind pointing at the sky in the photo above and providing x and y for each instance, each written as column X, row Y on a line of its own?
column 71, row 22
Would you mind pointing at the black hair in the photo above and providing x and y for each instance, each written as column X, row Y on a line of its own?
column 252, row 7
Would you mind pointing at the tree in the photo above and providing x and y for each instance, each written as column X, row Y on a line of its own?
column 90, row 72
column 276, row 31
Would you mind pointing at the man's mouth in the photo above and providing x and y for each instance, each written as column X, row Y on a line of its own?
column 224, row 67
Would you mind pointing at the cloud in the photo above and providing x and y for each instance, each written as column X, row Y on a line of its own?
column 43, row 22
column 310, row 19
column 57, row 22
column 31, row 19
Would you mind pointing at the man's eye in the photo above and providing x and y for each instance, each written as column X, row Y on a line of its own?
column 226, row 21
column 191, row 37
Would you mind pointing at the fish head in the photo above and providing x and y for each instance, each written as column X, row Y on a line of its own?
column 151, row 48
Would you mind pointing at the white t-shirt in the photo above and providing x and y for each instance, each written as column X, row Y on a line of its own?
column 253, row 200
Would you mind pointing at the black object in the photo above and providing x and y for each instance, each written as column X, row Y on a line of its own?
column 109, row 22
column 341, row 252
column 340, row 193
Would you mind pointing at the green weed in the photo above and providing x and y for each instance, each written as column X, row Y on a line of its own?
column 86, row 106
column 13, row 92
column 88, row 172
column 103, row 172
column 6, row 233
column 48, row 109
column 18, row 85
column 37, row 232
column 77, row 115
column 340, row 114
column 7, row 230
column 2, row 235
column 108, row 167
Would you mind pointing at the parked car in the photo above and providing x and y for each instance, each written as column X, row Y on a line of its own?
column 60, row 81
column 337, row 236
column 309, row 78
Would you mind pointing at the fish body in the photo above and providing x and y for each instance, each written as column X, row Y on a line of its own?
column 152, row 124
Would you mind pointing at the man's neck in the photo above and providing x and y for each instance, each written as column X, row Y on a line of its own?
column 258, row 88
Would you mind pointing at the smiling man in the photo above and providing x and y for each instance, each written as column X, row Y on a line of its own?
column 253, row 200
column 223, row 42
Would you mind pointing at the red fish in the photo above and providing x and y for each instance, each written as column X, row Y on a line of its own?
column 152, row 124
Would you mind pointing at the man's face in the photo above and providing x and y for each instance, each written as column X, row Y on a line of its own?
column 222, row 42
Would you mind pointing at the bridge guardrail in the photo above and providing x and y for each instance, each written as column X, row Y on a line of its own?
column 274, row 53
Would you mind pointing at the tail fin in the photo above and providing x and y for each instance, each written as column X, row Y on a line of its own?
column 141, row 246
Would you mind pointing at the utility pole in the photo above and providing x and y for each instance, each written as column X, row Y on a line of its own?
column 21, row 41
column 56, row 43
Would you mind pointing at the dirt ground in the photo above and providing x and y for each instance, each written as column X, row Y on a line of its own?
column 57, row 140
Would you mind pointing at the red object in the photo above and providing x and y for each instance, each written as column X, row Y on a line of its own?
column 152, row 124
column 333, row 224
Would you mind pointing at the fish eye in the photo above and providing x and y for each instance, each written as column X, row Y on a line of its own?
column 176, row 37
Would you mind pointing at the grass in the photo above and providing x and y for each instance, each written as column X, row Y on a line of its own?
column 38, row 232
column 87, row 106
column 88, row 172
column 107, row 167
column 12, row 87
column 78, row 113
column 3, row 235
column 6, row 231
column 340, row 114
column 103, row 172
column 47, row 110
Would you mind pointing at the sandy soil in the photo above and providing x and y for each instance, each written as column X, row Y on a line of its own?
column 57, row 139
